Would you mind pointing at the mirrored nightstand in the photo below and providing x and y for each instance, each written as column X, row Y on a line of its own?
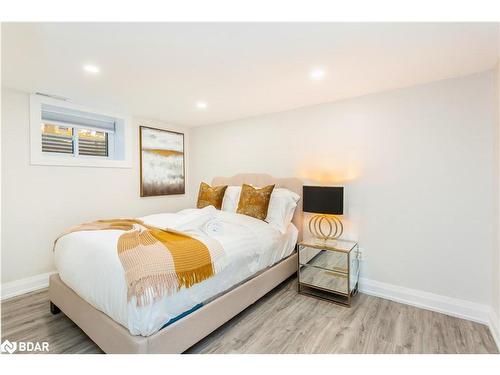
column 329, row 270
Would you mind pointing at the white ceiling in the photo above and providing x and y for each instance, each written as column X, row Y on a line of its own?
column 160, row 70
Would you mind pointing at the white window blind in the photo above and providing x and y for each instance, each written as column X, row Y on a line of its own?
column 76, row 118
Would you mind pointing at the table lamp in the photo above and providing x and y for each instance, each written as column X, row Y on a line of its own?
column 325, row 202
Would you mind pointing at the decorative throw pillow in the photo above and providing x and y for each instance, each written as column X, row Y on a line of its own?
column 210, row 196
column 281, row 205
column 254, row 202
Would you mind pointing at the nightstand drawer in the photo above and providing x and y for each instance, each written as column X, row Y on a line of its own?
column 330, row 260
column 329, row 280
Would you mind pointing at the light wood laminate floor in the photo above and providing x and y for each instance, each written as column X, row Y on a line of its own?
column 281, row 322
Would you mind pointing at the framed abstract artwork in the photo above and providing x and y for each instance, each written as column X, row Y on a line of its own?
column 162, row 162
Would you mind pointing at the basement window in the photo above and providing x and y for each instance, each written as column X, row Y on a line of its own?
column 70, row 132
column 66, row 134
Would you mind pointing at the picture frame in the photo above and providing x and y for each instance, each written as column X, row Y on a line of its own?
column 162, row 162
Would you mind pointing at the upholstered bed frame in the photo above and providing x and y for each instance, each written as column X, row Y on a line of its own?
column 112, row 337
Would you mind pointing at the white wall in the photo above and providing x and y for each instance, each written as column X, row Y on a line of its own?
column 495, row 313
column 39, row 202
column 495, row 318
column 417, row 164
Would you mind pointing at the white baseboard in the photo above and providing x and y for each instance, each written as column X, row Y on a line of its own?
column 446, row 305
column 494, row 325
column 29, row 284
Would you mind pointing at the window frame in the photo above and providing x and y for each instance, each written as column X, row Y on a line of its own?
column 122, row 159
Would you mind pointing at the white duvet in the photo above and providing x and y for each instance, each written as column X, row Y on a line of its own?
column 88, row 263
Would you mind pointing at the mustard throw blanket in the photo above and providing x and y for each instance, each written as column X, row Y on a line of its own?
column 157, row 261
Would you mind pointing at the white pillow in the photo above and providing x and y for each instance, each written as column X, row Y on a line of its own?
column 231, row 199
column 281, row 205
column 281, row 208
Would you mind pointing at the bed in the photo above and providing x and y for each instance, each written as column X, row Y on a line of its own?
column 101, row 314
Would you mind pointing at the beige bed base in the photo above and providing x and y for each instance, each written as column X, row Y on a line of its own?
column 112, row 337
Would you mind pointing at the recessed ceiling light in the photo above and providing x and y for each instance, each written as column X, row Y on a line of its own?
column 201, row 105
column 91, row 69
column 317, row 74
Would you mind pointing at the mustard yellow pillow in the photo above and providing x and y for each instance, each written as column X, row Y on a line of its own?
column 254, row 202
column 210, row 196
